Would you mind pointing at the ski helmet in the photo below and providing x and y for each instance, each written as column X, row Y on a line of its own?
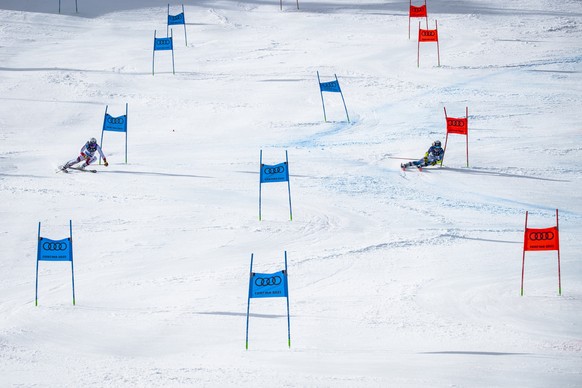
column 436, row 143
column 92, row 141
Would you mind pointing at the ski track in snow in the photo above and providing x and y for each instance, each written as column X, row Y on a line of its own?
column 396, row 278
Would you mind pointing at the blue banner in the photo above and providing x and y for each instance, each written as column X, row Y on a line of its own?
column 176, row 19
column 115, row 124
column 55, row 250
column 274, row 173
column 161, row 44
column 268, row 285
column 332, row 86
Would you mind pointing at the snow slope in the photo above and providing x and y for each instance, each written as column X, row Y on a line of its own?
column 396, row 279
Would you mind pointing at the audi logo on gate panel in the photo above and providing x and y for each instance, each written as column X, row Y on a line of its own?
column 428, row 36
column 272, row 281
column 164, row 42
column 541, row 236
column 456, row 123
column 54, row 246
column 273, row 170
column 116, row 120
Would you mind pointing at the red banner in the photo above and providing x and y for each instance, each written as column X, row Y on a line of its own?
column 428, row 35
column 418, row 12
column 546, row 239
column 457, row 125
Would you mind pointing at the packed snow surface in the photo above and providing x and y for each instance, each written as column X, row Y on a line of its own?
column 396, row 279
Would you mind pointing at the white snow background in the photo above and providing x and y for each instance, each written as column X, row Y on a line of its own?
column 396, row 279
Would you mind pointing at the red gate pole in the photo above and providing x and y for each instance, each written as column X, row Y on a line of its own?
column 467, row 135
column 446, row 138
column 418, row 48
column 438, row 49
column 426, row 17
column 409, row 5
column 559, row 274
column 523, row 258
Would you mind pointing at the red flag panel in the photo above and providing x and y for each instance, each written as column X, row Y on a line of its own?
column 458, row 125
column 428, row 35
column 546, row 239
column 418, row 12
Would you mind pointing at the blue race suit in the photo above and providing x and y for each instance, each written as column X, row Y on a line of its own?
column 433, row 156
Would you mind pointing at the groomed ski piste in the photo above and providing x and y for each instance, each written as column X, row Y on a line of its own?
column 396, row 279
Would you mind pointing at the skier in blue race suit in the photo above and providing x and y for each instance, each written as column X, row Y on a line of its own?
column 87, row 155
column 433, row 156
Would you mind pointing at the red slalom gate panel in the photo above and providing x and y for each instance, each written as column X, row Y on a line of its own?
column 417, row 12
column 428, row 35
column 541, row 239
column 546, row 239
column 425, row 36
column 458, row 126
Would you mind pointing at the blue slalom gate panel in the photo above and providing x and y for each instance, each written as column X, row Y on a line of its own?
column 268, row 285
column 162, row 44
column 176, row 19
column 115, row 124
column 332, row 86
column 55, row 250
column 274, row 173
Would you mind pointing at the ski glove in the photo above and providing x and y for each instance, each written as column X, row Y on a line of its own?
column 105, row 162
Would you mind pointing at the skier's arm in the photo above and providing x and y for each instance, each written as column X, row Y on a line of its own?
column 102, row 155
column 438, row 156
column 441, row 155
column 83, row 151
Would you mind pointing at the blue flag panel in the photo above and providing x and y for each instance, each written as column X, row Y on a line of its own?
column 161, row 44
column 54, row 250
column 268, row 285
column 115, row 124
column 332, row 86
column 176, row 19
column 274, row 173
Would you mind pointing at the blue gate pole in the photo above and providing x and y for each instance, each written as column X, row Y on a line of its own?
column 184, row 17
column 72, row 269
column 322, row 102
column 102, row 131
column 344, row 101
column 172, row 39
column 249, row 302
column 288, row 315
column 289, row 186
column 154, row 55
column 37, row 257
column 260, row 182
column 126, row 127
